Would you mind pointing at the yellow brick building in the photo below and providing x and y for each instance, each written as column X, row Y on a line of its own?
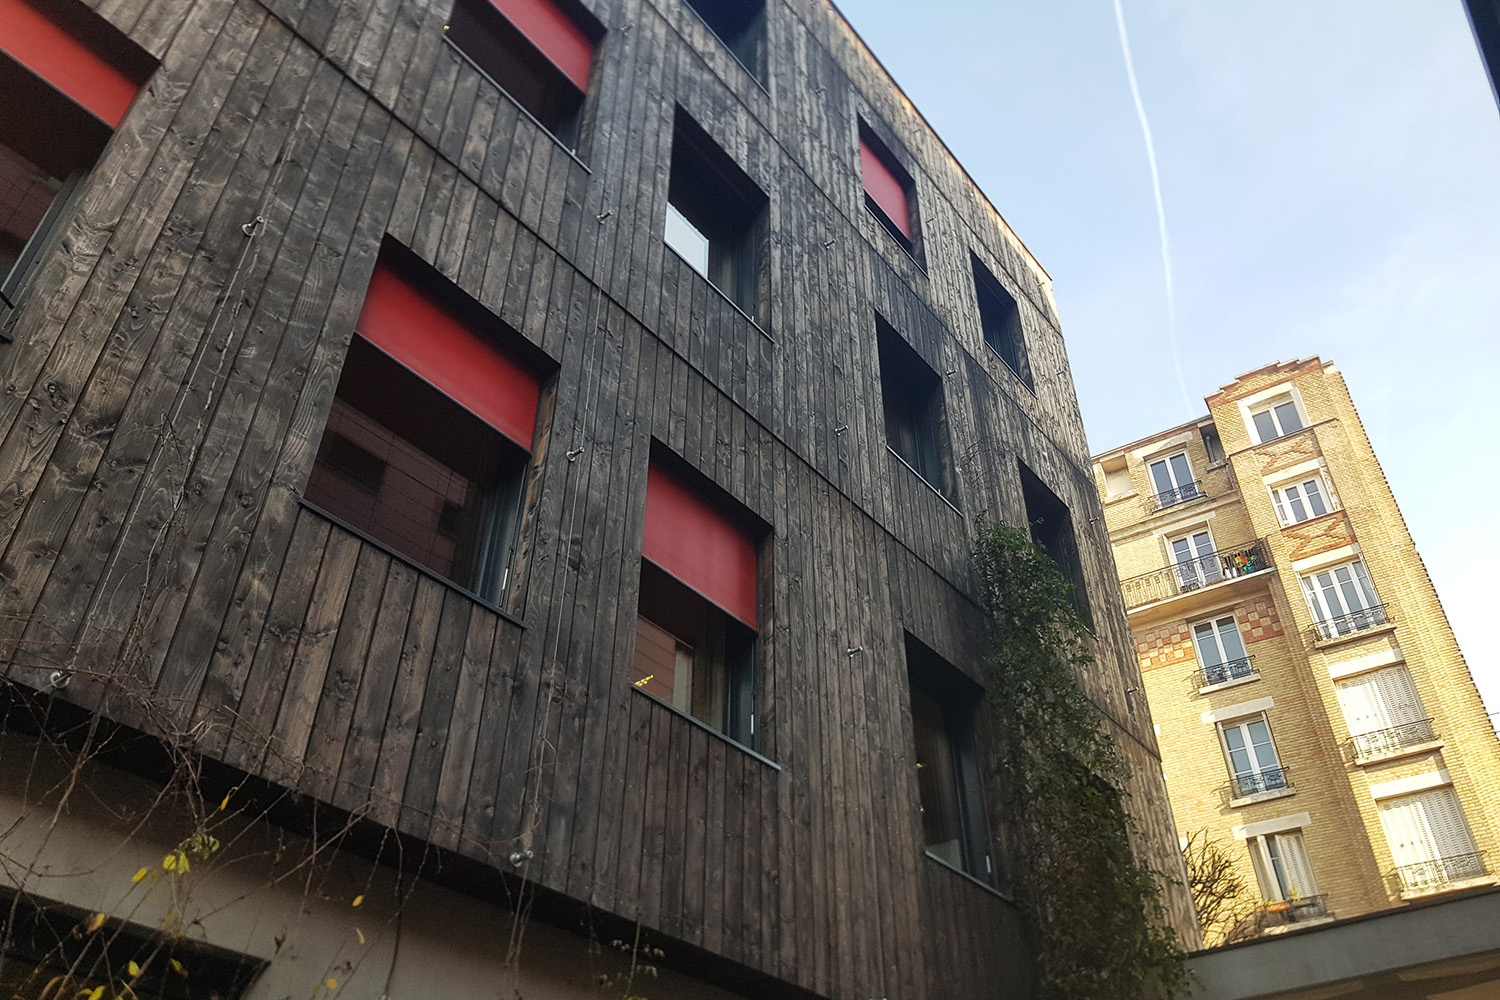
column 1314, row 712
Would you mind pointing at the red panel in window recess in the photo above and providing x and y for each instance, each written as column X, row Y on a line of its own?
column 883, row 186
column 554, row 33
column 407, row 324
column 36, row 42
column 694, row 541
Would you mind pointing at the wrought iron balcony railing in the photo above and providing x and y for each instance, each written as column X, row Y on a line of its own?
column 1195, row 574
column 1171, row 498
column 1272, row 779
column 1431, row 876
column 1354, row 621
column 1385, row 741
column 1291, row 911
column 1218, row 673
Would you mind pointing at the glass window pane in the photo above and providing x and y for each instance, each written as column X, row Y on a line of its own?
column 1181, row 471
column 26, row 192
column 1208, row 649
column 684, row 237
column 1315, row 499
column 1286, row 416
column 1229, row 638
column 1265, row 427
column 1161, row 478
column 937, row 780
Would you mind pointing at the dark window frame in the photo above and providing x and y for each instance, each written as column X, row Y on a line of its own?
column 911, row 244
column 944, row 708
column 1050, row 522
column 1000, row 319
column 915, row 411
column 496, row 47
column 51, row 132
column 723, row 206
column 741, row 26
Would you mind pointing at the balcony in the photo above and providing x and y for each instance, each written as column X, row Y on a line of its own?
column 1440, row 873
column 1223, row 673
column 1346, row 625
column 1195, row 574
column 1386, row 742
column 1171, row 498
column 1304, row 909
column 1272, row 783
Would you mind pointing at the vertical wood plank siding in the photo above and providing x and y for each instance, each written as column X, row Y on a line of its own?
column 168, row 379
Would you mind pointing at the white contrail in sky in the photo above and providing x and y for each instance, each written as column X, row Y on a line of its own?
column 1161, row 213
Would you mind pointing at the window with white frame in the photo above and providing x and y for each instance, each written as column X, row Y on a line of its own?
column 1221, row 651
column 1430, row 840
column 1342, row 600
column 1254, row 766
column 1172, row 480
column 1300, row 501
column 1195, row 559
column 1281, row 866
column 1276, row 418
column 1383, row 711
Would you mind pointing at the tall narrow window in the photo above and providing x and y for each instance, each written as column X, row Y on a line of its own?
column 1000, row 318
column 695, row 631
column 1172, row 479
column 943, row 704
column 540, row 52
column 1342, row 600
column 1281, row 866
column 1430, row 840
column 916, row 420
column 1221, row 651
column 741, row 26
column 1383, row 712
column 1253, row 765
column 68, row 78
column 888, row 189
column 1052, row 528
column 426, row 446
column 716, row 217
column 1196, row 560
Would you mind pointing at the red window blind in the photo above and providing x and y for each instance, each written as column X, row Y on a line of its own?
column 882, row 185
column 697, row 543
column 405, row 322
column 44, row 47
column 554, row 33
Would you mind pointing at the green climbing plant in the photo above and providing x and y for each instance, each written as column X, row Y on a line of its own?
column 1100, row 923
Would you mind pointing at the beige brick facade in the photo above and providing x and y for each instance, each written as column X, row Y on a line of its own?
column 1336, row 734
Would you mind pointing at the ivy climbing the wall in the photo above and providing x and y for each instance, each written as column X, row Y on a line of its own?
column 1100, row 924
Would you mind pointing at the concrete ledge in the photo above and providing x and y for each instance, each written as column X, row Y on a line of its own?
column 1375, row 948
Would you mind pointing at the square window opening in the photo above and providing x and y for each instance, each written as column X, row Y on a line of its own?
column 1301, row 501
column 916, row 419
column 716, row 218
column 890, row 194
column 1051, row 525
column 1275, row 419
column 694, row 656
column 944, row 704
column 1282, row 869
column 406, row 465
column 1196, row 559
column 741, row 26
column 59, row 114
column 1000, row 318
column 539, row 52
column 1116, row 477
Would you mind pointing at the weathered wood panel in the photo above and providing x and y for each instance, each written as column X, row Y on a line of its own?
column 170, row 377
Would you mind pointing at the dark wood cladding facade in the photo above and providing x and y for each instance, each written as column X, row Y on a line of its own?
column 168, row 377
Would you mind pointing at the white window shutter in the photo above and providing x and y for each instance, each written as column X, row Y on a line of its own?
column 1398, row 696
column 1446, row 821
column 1406, row 830
column 1360, row 701
column 1298, row 869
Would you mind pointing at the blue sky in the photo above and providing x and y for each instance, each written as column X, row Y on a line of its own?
column 1330, row 173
